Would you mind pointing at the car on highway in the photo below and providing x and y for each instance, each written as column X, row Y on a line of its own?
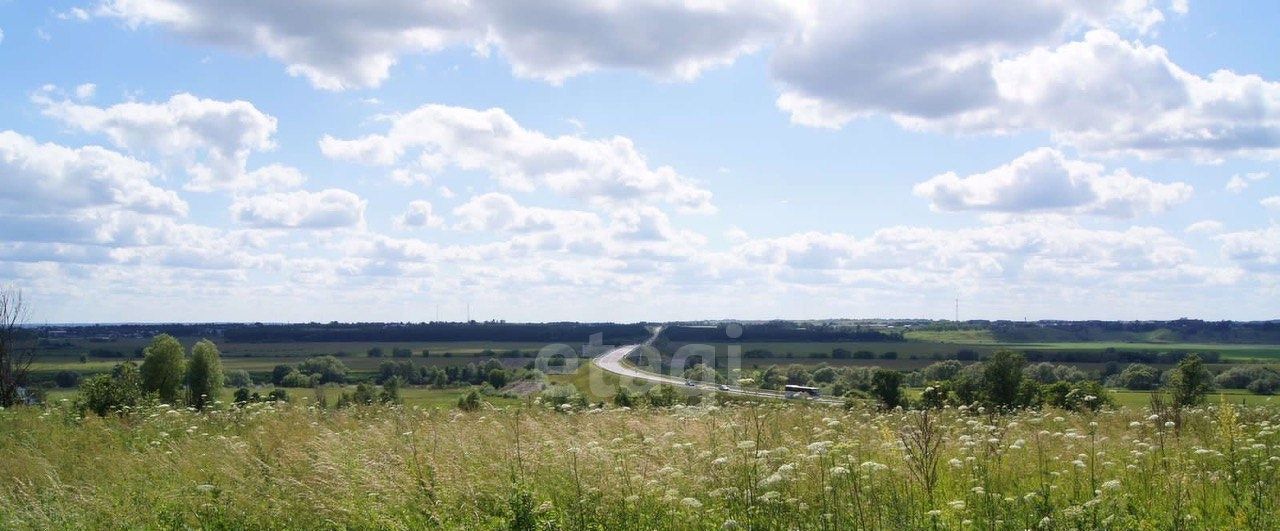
column 689, row 383
column 724, row 387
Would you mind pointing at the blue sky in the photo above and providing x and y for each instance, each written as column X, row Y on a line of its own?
column 196, row 160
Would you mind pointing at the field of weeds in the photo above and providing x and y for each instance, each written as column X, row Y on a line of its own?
column 744, row 466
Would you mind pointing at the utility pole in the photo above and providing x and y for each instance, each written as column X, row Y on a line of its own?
column 957, row 309
column 468, row 311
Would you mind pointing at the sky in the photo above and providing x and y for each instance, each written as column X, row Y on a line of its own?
column 529, row 160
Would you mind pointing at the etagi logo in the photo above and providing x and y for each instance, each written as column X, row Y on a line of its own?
column 639, row 367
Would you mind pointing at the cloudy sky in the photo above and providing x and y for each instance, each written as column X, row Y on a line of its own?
column 240, row 160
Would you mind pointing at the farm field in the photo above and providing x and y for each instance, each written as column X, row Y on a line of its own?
column 77, row 347
column 923, row 349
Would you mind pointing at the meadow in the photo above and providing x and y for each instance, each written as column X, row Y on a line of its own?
column 714, row 466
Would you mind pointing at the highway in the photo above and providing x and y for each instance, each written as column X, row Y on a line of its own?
column 614, row 361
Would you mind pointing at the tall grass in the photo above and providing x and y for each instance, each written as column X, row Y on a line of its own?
column 744, row 466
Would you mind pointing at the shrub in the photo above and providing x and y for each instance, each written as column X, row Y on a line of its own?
column 239, row 378
column 66, row 379
column 112, row 393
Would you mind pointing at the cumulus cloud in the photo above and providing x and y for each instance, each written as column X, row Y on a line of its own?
column 1044, row 180
column 1238, row 182
column 606, row 171
column 1205, row 226
column 327, row 209
column 923, row 59
column 501, row 212
column 212, row 139
column 46, row 178
column 420, row 214
column 1254, row 250
column 970, row 67
column 1111, row 96
column 1272, row 202
column 339, row 46
column 1045, row 251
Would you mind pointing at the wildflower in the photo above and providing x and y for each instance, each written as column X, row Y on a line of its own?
column 956, row 504
column 839, row 471
column 1111, row 485
column 691, row 503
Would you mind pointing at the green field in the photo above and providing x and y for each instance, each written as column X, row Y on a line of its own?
column 922, row 349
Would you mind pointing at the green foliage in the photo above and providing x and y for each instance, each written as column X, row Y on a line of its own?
column 1076, row 396
column 886, row 386
column 624, row 398
column 942, row 371
column 66, row 379
column 242, row 396
column 1002, row 380
column 390, row 391
column 163, row 368
column 240, row 378
column 112, row 393
column 469, row 401
column 1189, row 382
column 204, row 374
column 934, row 396
column 297, row 379
column 328, row 368
column 1137, row 377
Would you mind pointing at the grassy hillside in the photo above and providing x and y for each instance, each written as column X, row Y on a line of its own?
column 284, row 466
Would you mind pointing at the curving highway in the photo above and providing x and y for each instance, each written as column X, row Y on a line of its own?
column 614, row 361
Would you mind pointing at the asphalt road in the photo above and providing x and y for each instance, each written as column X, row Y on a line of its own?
column 613, row 361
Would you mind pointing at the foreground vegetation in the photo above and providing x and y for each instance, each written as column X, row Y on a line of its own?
column 294, row 465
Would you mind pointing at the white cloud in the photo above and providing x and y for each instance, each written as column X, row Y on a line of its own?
column 1238, row 183
column 1206, row 226
column 1043, row 180
column 607, row 171
column 86, row 91
column 212, row 139
column 342, row 46
column 420, row 214
column 1, row 36
column 50, row 179
column 1042, row 252
column 997, row 68
column 1255, row 250
column 1272, row 202
column 326, row 209
column 1180, row 7
column 1108, row 95
column 501, row 212
column 923, row 59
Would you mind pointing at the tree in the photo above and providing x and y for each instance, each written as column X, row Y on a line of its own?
column 112, row 393
column 1137, row 377
column 1190, row 382
column 375, row 352
column 239, row 378
column 162, row 367
column 17, row 350
column 329, row 368
column 204, row 374
column 1002, row 379
column 886, row 385
column 279, row 372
